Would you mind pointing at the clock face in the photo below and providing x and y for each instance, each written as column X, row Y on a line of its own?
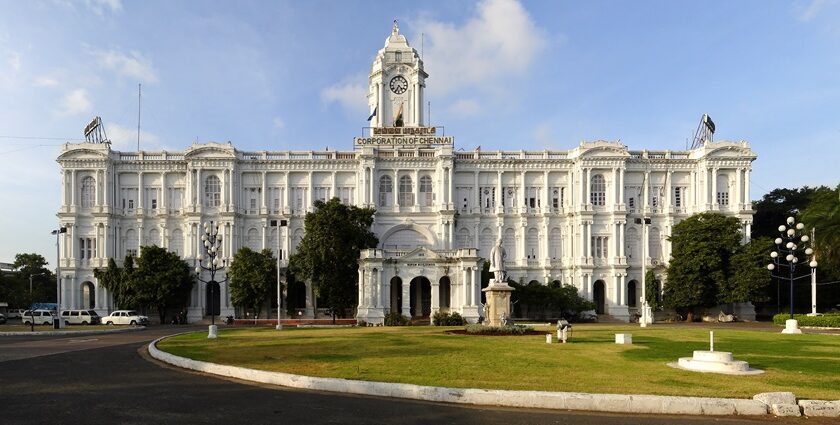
column 399, row 85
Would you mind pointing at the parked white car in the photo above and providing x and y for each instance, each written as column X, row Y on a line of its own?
column 39, row 317
column 125, row 317
column 80, row 317
column 15, row 313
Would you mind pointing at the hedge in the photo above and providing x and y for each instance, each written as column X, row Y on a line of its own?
column 497, row 330
column 825, row 321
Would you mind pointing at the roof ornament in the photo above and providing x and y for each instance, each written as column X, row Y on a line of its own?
column 396, row 29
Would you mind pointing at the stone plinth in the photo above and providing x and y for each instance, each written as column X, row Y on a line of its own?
column 791, row 327
column 716, row 362
column 498, row 302
column 624, row 339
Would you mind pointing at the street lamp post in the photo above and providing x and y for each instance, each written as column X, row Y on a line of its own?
column 212, row 241
column 279, row 224
column 787, row 255
column 57, row 318
column 647, row 314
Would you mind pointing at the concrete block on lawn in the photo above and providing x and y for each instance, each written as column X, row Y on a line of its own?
column 785, row 409
column 624, row 339
column 776, row 398
column 820, row 408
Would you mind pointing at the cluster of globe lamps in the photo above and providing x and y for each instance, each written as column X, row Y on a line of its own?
column 788, row 250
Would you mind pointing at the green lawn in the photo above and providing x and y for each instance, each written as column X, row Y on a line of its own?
column 807, row 365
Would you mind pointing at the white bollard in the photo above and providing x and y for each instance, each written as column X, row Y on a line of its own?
column 213, row 332
column 711, row 340
column 548, row 338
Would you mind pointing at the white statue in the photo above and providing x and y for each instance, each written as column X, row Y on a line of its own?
column 498, row 255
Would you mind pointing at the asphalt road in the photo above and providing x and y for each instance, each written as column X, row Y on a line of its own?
column 110, row 379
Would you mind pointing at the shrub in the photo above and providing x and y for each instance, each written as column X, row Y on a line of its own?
column 497, row 330
column 361, row 323
column 448, row 319
column 396, row 319
column 825, row 321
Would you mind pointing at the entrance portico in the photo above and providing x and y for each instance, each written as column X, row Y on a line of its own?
column 414, row 283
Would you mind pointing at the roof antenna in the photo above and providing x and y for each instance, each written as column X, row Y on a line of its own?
column 138, row 117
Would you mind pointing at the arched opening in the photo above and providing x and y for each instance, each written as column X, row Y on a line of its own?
column 598, row 292
column 396, row 294
column 420, row 297
column 598, row 190
column 88, row 298
column 631, row 293
column 405, row 239
column 386, row 190
column 296, row 295
column 444, row 293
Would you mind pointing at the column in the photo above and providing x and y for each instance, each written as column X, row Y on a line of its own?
column 476, row 194
column 141, row 198
column 225, row 181
column 450, row 235
column 231, row 186
column 287, row 194
column 622, row 229
column 476, row 287
column 73, row 188
column 380, row 112
column 669, row 190
column 615, row 187
column 406, row 298
column 466, row 286
column 450, row 183
column 523, row 246
column 583, row 252
column 309, row 192
column 396, row 189
column 623, row 286
column 714, row 189
column 362, row 299
column 587, row 177
column 333, row 192
column 645, row 201
column 522, row 194
column 499, row 198
column 739, row 194
column 416, row 188
column 621, row 186
column 197, row 197
column 747, row 199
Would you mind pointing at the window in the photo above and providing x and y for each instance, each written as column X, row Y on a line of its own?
column 298, row 197
column 488, row 198
column 88, row 192
column 212, row 192
column 252, row 197
column 555, row 198
column 154, row 204
column 345, row 194
column 463, row 196
column 678, row 196
column 320, row 194
column 176, row 198
column 532, row 197
column 397, row 56
column 509, row 196
column 598, row 190
column 131, row 204
column 631, row 203
column 426, row 193
column 723, row 198
column 406, row 192
column 598, row 246
column 386, row 189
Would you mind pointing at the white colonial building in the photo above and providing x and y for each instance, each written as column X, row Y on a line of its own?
column 574, row 216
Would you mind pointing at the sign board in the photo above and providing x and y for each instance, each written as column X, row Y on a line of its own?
column 404, row 141
column 7, row 266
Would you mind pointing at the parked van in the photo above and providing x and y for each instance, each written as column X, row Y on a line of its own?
column 39, row 317
column 80, row 317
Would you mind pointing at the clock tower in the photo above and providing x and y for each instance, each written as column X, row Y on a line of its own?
column 396, row 83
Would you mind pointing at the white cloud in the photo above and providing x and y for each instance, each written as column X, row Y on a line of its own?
column 99, row 7
column 812, row 9
column 132, row 65
column 499, row 41
column 44, row 81
column 278, row 123
column 125, row 138
column 75, row 102
column 465, row 107
column 349, row 94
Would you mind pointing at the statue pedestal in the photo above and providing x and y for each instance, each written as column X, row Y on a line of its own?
column 498, row 302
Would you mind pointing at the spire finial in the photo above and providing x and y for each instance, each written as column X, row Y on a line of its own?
column 396, row 29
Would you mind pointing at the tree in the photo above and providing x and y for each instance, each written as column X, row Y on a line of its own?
column 118, row 281
column 703, row 245
column 823, row 214
column 652, row 288
column 775, row 207
column 328, row 255
column 253, row 276
column 14, row 287
column 162, row 279
column 749, row 276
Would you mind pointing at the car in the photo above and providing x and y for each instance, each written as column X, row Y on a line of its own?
column 80, row 317
column 39, row 317
column 15, row 313
column 2, row 318
column 125, row 317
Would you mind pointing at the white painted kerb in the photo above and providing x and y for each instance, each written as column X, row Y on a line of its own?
column 622, row 403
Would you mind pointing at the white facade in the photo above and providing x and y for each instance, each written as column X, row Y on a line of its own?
column 567, row 216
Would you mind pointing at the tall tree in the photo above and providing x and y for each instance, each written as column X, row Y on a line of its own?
column 703, row 245
column 823, row 215
column 775, row 207
column 162, row 279
column 43, row 279
column 118, row 281
column 253, row 277
column 749, row 280
column 328, row 255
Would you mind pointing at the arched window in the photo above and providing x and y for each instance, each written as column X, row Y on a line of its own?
column 532, row 250
column 406, row 192
column 253, row 241
column 426, row 193
column 722, row 190
column 486, row 242
column 154, row 237
column 509, row 242
column 386, row 189
column 655, row 244
column 555, row 243
column 212, row 192
column 88, row 192
column 598, row 190
column 130, row 243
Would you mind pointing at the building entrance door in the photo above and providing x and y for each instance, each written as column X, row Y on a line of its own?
column 598, row 297
column 421, row 297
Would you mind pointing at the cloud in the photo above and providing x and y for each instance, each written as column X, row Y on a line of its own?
column 44, row 81
column 75, row 102
column 812, row 9
column 132, row 65
column 125, row 138
column 465, row 107
column 14, row 61
column 351, row 94
column 99, row 7
column 278, row 123
column 499, row 41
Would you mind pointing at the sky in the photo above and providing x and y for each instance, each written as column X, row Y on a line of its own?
column 508, row 75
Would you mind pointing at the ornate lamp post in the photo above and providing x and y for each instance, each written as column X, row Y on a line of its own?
column 790, row 248
column 212, row 263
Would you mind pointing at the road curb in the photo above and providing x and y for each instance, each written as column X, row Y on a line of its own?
column 75, row 333
column 613, row 403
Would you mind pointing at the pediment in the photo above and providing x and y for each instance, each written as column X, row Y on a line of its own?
column 210, row 150
column 728, row 150
column 83, row 153
column 603, row 148
column 421, row 254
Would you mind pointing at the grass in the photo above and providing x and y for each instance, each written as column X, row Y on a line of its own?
column 808, row 365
